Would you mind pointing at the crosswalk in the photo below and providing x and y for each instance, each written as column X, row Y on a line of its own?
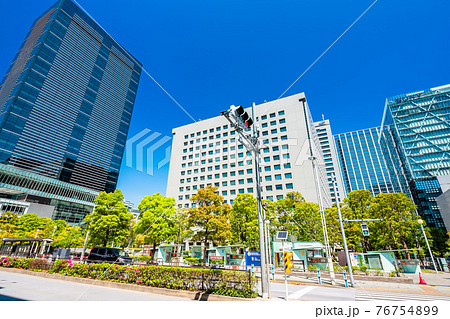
column 369, row 295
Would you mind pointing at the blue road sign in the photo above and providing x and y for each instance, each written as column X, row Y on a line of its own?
column 253, row 258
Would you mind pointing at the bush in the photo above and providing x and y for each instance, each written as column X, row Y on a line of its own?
column 144, row 258
column 194, row 260
column 214, row 281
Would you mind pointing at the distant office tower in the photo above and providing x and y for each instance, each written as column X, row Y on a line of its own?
column 326, row 143
column 208, row 152
column 362, row 163
column 416, row 132
column 66, row 102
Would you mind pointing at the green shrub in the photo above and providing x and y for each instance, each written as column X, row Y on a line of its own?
column 363, row 269
column 194, row 260
column 214, row 281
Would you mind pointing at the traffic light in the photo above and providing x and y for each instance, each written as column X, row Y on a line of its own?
column 365, row 229
column 243, row 119
column 287, row 261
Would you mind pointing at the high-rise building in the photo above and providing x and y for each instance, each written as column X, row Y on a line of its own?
column 66, row 102
column 208, row 152
column 331, row 161
column 416, row 132
column 362, row 163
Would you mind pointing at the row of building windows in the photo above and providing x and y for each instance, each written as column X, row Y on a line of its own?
column 219, row 128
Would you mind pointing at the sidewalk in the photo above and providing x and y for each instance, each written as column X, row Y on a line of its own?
column 436, row 283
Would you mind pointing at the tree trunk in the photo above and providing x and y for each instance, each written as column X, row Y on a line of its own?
column 154, row 251
column 206, row 244
column 105, row 242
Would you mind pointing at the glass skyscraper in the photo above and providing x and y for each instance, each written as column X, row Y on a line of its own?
column 66, row 102
column 416, row 132
column 362, row 163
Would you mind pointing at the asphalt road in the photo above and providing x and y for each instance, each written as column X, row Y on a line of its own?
column 25, row 287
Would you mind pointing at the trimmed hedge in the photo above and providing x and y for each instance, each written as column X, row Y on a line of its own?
column 214, row 281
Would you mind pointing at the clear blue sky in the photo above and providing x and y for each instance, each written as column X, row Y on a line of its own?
column 211, row 54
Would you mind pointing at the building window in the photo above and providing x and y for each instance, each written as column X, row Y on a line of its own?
column 282, row 121
column 269, row 188
column 276, row 158
column 287, row 165
column 268, row 178
column 279, row 197
column 241, row 181
column 232, row 192
column 263, row 125
column 250, row 190
column 278, row 176
column 276, row 167
column 241, row 191
column 289, row 186
column 288, row 175
column 264, row 117
column 284, row 138
column 286, row 155
column 278, row 187
column 267, row 159
column 281, row 113
column 267, row 168
column 283, row 129
column 232, row 182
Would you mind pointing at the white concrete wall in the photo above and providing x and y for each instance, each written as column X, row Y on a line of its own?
column 296, row 134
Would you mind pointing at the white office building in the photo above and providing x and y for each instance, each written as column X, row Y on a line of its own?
column 208, row 153
column 331, row 161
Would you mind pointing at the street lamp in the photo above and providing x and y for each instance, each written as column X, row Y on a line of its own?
column 428, row 245
column 344, row 240
column 313, row 160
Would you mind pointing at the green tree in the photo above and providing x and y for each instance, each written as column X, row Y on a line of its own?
column 27, row 225
column 283, row 211
column 440, row 241
column 157, row 220
column 69, row 237
column 110, row 220
column 307, row 222
column 244, row 221
column 210, row 216
column 399, row 222
column 8, row 225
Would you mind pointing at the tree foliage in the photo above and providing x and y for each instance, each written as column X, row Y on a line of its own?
column 158, row 219
column 210, row 217
column 110, row 220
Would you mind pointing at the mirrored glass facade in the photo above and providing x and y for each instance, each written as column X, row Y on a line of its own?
column 416, row 130
column 362, row 163
column 66, row 102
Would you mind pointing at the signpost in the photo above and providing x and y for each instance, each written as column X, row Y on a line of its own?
column 282, row 235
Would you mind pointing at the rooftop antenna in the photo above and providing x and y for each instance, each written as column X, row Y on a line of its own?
column 323, row 118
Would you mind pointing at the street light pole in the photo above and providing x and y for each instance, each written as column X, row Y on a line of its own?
column 344, row 239
column 324, row 222
column 85, row 245
column 428, row 245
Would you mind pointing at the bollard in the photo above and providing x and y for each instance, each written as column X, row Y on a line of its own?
column 252, row 269
column 273, row 272
column 318, row 276
column 345, row 279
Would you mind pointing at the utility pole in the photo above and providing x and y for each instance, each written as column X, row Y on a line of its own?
column 344, row 239
column 241, row 122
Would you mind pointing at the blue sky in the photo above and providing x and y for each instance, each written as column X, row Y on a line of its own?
column 211, row 54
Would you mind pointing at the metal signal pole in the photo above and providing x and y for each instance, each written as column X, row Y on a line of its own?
column 251, row 144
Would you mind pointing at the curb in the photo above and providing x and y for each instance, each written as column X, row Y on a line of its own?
column 194, row 295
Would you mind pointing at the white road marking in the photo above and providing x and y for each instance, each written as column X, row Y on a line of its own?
column 300, row 293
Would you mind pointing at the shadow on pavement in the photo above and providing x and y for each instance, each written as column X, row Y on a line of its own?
column 8, row 298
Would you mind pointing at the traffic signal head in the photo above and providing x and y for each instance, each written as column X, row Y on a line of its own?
column 288, row 261
column 365, row 230
column 242, row 117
